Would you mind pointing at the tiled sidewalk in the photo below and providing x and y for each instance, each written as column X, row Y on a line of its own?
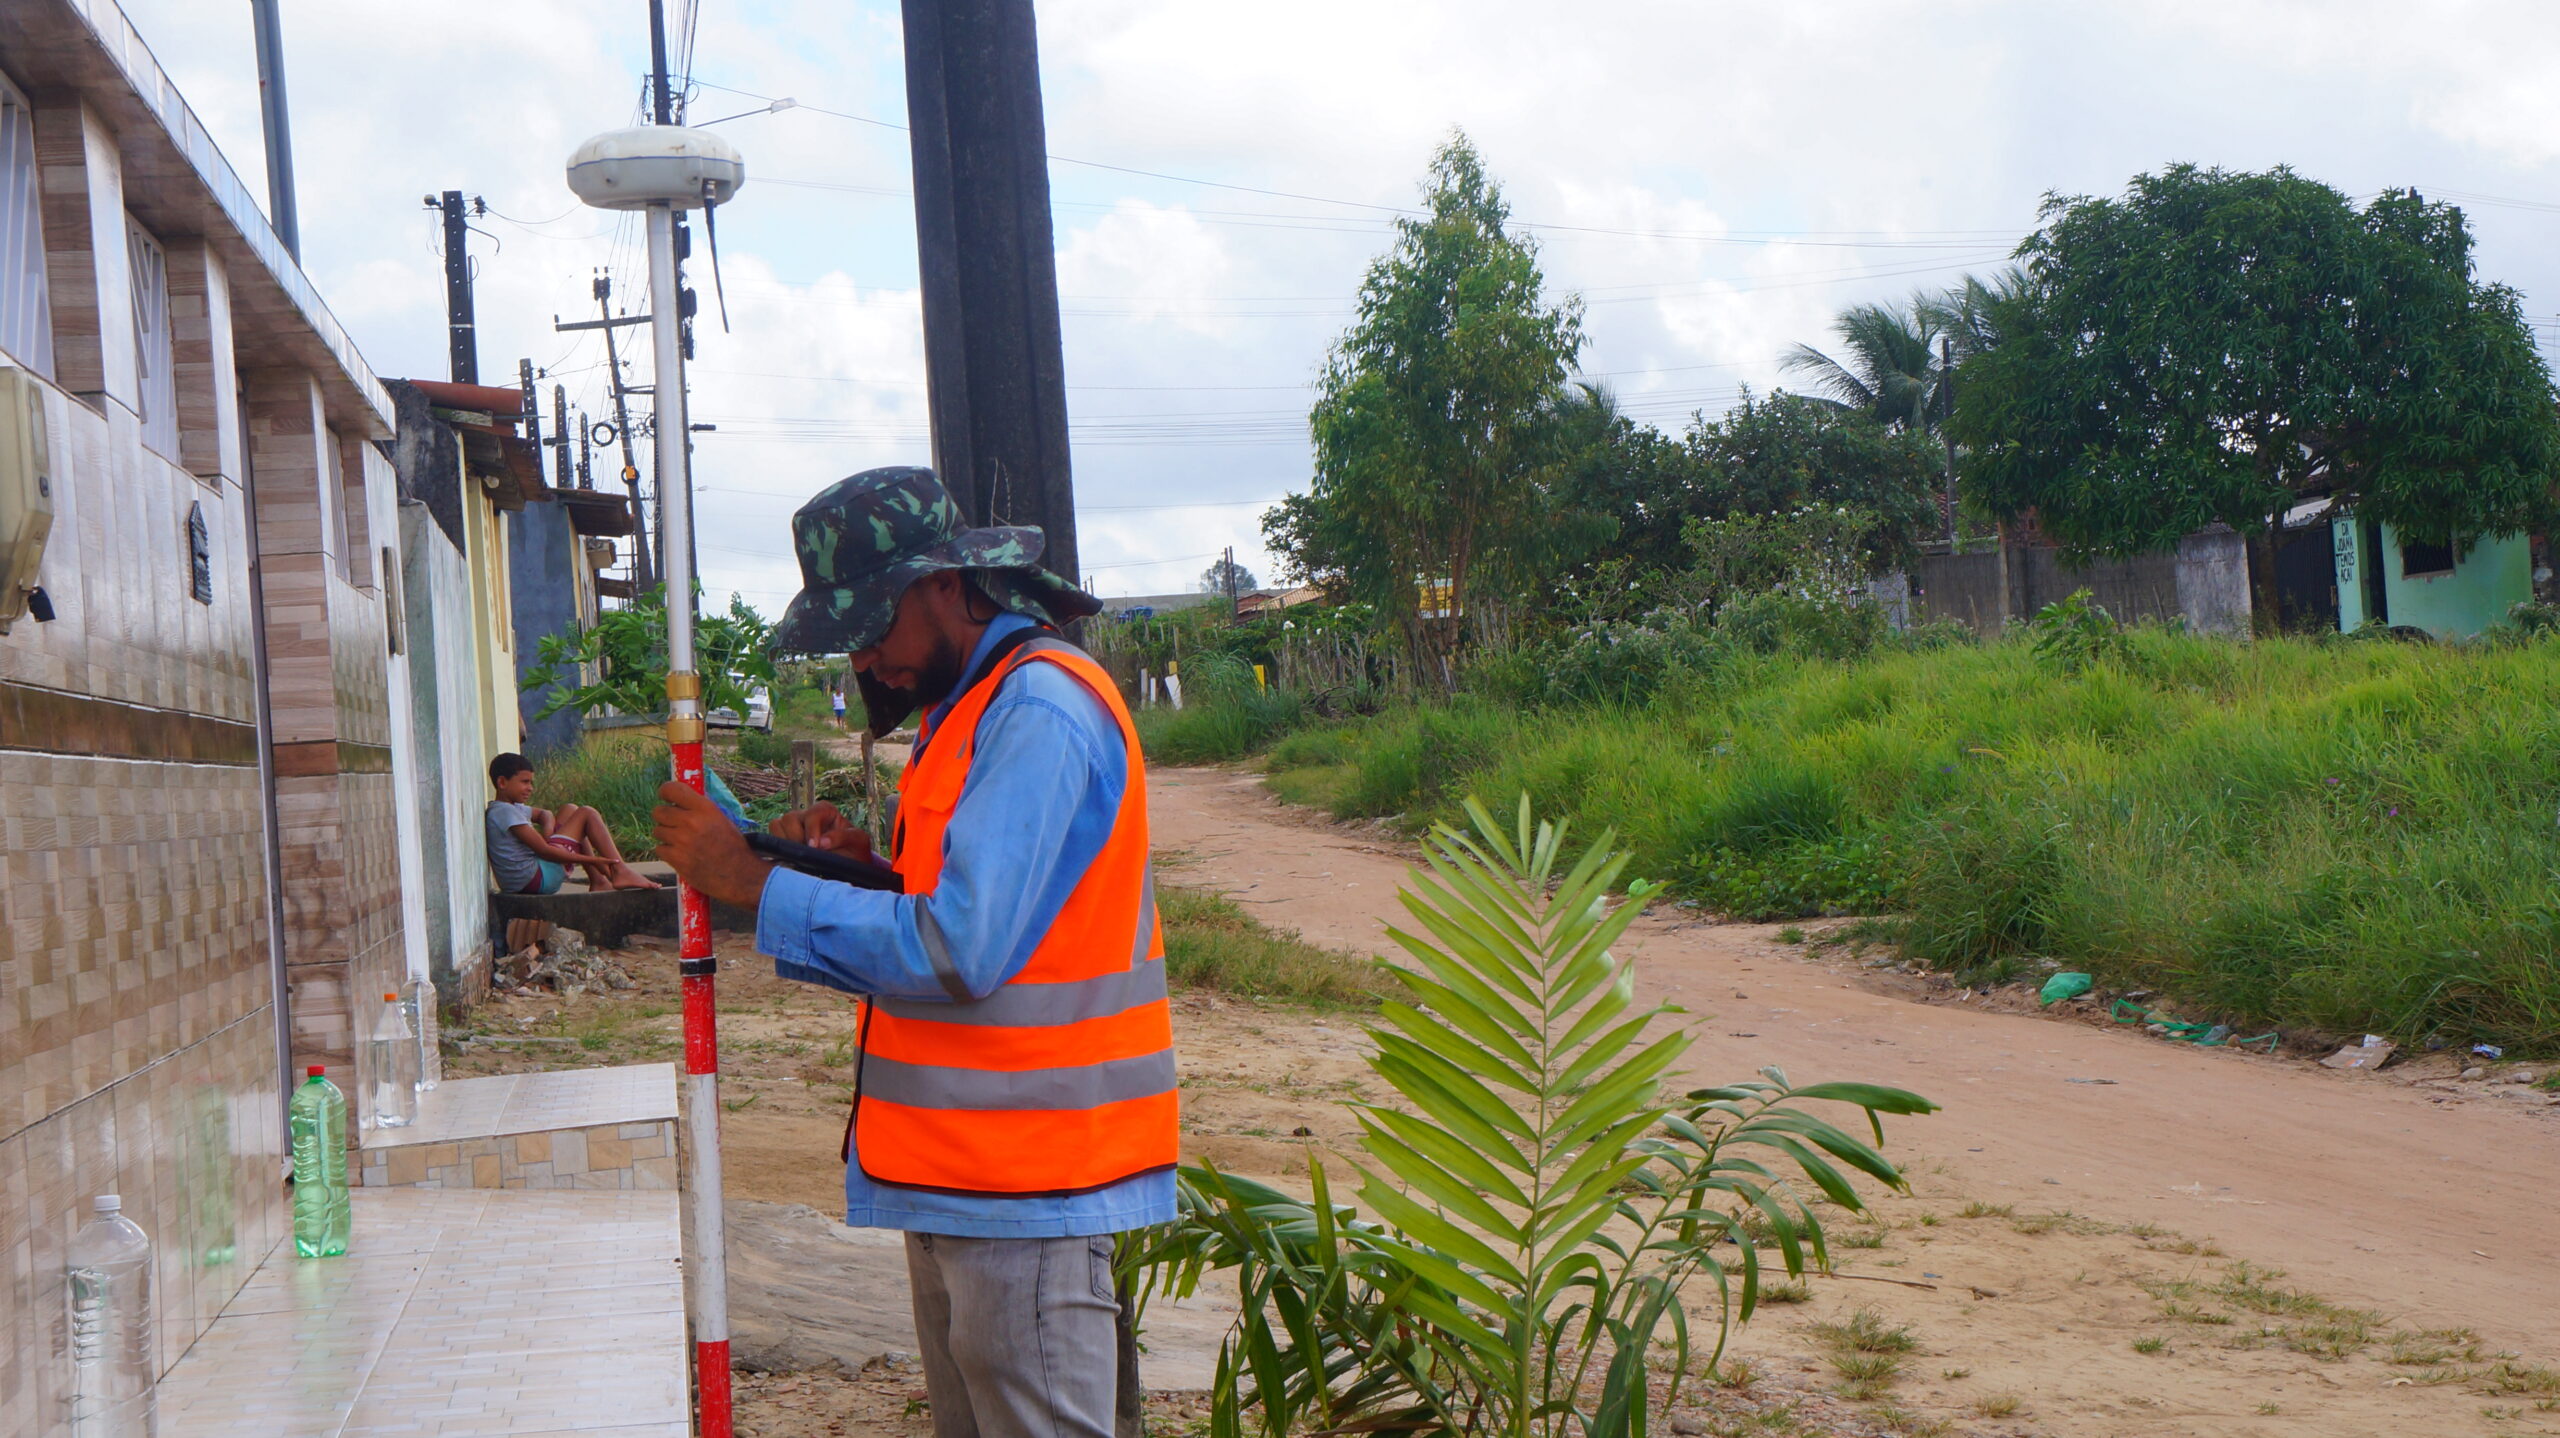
column 457, row 1314
column 566, row 1128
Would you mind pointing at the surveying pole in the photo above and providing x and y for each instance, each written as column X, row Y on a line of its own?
column 660, row 170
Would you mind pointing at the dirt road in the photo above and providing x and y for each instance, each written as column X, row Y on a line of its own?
column 2435, row 1210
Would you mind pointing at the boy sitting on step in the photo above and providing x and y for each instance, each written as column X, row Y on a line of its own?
column 530, row 849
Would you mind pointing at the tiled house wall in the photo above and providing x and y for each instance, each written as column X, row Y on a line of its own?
column 327, row 662
column 138, row 990
column 137, row 1023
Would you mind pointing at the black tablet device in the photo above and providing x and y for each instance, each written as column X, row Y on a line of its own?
column 825, row 864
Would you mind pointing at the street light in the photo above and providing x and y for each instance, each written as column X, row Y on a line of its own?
column 776, row 108
column 661, row 169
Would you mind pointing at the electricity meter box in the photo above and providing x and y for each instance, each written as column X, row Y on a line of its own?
column 26, row 490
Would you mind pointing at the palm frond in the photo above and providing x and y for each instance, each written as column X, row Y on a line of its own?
column 1535, row 1202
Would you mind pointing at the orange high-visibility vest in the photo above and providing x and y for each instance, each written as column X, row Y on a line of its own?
column 1062, row 1080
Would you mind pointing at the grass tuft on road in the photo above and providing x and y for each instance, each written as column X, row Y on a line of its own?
column 1212, row 943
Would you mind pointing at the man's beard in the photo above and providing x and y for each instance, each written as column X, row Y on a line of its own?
column 940, row 675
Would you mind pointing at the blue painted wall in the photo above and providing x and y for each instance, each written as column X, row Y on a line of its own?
column 541, row 555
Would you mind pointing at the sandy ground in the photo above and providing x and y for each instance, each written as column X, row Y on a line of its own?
column 2055, row 1222
column 2422, row 1200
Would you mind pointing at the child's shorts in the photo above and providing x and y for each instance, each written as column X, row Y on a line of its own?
column 548, row 881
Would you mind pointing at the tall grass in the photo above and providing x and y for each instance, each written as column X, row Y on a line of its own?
column 1227, row 714
column 2339, row 836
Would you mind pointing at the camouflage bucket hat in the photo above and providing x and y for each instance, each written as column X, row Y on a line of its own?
column 864, row 539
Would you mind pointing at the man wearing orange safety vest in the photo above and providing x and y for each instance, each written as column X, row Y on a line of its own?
column 1015, row 1102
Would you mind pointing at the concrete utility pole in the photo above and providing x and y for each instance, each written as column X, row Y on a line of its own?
column 662, row 109
column 463, row 335
column 994, row 363
column 281, row 210
column 1947, row 388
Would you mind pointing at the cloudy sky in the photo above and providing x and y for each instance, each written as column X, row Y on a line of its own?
column 1715, row 177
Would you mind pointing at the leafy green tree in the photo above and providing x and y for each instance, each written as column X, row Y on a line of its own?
column 627, row 652
column 2223, row 346
column 1888, row 364
column 1624, row 490
column 1791, row 452
column 1226, row 575
column 1437, row 413
column 1779, row 455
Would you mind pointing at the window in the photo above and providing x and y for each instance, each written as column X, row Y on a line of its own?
column 26, row 311
column 2422, row 561
column 155, row 361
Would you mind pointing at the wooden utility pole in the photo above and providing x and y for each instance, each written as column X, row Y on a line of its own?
column 995, row 364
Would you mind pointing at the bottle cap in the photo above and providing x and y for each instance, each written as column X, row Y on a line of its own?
column 391, row 998
column 106, row 1203
column 315, row 1071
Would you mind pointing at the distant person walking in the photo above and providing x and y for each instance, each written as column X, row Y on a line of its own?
column 839, row 698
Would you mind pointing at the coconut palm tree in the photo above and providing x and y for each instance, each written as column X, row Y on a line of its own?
column 1888, row 366
column 1969, row 314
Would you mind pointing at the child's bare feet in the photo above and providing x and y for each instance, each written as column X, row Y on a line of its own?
column 628, row 877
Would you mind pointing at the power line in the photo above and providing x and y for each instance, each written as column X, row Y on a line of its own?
column 1368, row 225
column 1325, row 307
column 1397, row 211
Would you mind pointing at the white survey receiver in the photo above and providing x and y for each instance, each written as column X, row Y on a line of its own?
column 26, row 490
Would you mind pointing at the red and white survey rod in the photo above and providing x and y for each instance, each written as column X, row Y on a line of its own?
column 707, row 1279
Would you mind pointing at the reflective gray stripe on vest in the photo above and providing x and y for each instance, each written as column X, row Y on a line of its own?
column 1140, row 952
column 937, row 951
column 1027, row 1006
column 1021, row 1090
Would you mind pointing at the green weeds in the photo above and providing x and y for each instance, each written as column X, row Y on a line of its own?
column 2341, row 837
column 1210, row 943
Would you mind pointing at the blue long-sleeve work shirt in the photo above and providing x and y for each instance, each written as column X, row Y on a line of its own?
column 1043, row 791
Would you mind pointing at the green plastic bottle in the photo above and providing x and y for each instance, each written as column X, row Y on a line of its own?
column 322, row 1213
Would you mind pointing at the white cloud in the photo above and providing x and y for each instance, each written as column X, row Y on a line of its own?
column 1842, row 140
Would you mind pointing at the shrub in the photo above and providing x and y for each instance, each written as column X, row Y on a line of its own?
column 2075, row 632
column 770, row 751
column 1229, row 726
column 1820, row 628
column 1839, row 875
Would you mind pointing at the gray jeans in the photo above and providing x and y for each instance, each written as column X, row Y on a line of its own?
column 1019, row 1336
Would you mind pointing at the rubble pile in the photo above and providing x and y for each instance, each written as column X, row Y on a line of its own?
column 562, row 964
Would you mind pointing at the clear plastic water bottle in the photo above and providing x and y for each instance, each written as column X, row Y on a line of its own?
column 321, row 1209
column 420, row 1009
column 113, row 1366
column 391, row 1067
